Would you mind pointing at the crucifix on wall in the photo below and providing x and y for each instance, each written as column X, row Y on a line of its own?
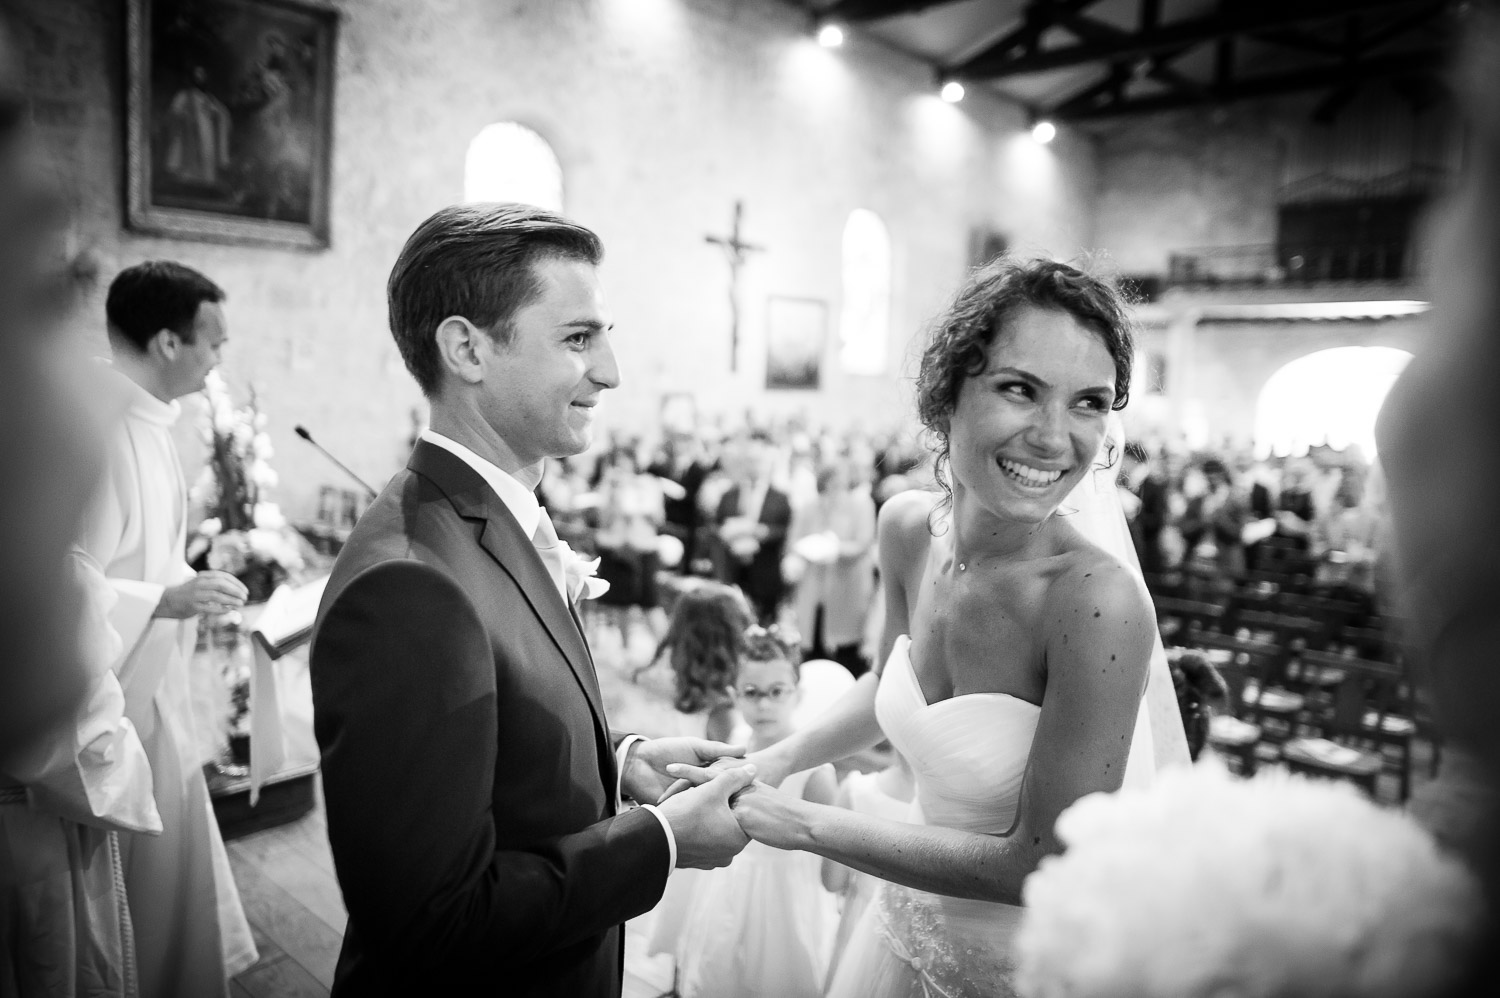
column 736, row 251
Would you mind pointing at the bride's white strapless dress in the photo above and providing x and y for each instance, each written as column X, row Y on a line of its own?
column 969, row 755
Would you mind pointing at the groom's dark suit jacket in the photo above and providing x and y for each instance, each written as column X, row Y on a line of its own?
column 467, row 767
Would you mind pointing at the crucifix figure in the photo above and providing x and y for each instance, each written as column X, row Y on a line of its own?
column 736, row 251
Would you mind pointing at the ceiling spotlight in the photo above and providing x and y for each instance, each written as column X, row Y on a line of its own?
column 830, row 36
column 952, row 92
column 1044, row 131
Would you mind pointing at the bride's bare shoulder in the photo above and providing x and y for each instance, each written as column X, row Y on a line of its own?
column 1094, row 585
column 906, row 518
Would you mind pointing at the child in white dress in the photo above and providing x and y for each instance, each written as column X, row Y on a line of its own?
column 761, row 927
column 703, row 644
column 886, row 794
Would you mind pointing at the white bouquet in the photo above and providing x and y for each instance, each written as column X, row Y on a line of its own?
column 1209, row 885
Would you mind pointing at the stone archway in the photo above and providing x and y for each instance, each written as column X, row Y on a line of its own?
column 1328, row 397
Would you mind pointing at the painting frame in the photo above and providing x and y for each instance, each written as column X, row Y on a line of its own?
column 796, row 341
column 229, row 120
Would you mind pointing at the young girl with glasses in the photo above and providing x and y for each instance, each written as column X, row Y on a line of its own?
column 763, row 924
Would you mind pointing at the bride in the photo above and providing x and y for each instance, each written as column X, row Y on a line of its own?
column 1017, row 648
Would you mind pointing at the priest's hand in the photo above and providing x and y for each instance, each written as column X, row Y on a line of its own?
column 207, row 593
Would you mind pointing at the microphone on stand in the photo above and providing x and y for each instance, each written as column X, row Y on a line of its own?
column 302, row 432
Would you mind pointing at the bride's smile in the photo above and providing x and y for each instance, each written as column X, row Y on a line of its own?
column 1029, row 425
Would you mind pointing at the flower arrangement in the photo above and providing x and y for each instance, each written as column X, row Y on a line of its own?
column 1210, row 885
column 241, row 533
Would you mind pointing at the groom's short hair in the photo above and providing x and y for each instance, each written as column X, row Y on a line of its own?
column 474, row 260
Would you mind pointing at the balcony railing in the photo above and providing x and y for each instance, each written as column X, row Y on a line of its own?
column 1268, row 265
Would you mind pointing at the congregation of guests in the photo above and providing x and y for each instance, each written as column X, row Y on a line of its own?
column 1225, row 513
column 784, row 512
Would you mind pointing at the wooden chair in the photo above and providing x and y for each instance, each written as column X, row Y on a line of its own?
column 1261, row 598
column 1295, row 635
column 1368, row 642
column 1335, row 614
column 1163, row 584
column 1233, row 734
column 1271, row 702
column 1187, row 617
column 1359, row 726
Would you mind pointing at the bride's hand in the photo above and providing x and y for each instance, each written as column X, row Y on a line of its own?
column 772, row 817
column 769, row 768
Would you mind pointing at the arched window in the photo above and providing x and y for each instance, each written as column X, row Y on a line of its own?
column 509, row 162
column 865, row 323
column 1330, row 397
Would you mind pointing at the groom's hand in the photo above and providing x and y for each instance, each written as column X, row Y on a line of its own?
column 645, row 777
column 707, row 834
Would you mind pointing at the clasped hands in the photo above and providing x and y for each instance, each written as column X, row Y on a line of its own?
column 709, row 793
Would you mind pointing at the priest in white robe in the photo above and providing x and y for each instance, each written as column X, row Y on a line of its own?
column 63, row 907
column 166, row 330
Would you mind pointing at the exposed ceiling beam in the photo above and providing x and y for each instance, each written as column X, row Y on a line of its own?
column 852, row 11
column 1035, row 20
column 1097, row 102
column 1273, row 15
column 1403, row 25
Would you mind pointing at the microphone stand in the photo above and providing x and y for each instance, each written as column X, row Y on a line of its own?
column 302, row 432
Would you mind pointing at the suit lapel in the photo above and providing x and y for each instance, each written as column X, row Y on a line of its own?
column 502, row 539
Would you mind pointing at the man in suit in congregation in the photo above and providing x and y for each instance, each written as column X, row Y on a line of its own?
column 471, row 780
column 753, row 518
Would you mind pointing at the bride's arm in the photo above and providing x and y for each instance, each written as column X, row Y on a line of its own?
column 1098, row 648
column 849, row 726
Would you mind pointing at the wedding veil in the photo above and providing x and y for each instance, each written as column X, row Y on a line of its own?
column 1098, row 514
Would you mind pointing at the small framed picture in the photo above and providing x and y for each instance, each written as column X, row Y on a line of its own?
column 796, row 331
column 230, row 119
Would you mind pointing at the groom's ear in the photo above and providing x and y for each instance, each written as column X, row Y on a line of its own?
column 461, row 348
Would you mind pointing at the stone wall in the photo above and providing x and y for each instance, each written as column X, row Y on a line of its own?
column 663, row 113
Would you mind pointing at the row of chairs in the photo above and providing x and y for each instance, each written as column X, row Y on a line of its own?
column 1357, row 721
column 1314, row 681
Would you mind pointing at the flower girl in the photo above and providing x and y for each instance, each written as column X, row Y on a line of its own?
column 886, row 794
column 762, row 925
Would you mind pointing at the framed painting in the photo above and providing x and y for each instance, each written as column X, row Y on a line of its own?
column 796, row 329
column 230, row 119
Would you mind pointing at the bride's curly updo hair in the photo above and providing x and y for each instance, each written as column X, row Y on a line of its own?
column 958, row 348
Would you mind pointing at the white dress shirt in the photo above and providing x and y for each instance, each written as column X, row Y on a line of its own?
column 522, row 504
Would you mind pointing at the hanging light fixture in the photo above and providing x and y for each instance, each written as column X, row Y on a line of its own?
column 952, row 91
column 830, row 35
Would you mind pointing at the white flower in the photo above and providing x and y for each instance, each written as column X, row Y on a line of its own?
column 274, row 547
column 229, row 552
column 205, row 490
column 579, row 571
column 261, row 446
column 210, row 527
column 263, row 475
column 268, row 516
column 1211, row 885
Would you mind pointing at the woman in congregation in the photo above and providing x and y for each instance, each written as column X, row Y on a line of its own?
column 1016, row 648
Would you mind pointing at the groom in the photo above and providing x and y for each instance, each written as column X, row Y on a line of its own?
column 472, row 783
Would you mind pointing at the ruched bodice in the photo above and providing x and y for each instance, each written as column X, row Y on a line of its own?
column 968, row 752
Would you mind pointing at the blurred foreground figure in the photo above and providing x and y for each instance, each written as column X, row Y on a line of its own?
column 48, row 466
column 1439, row 441
column 72, row 770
